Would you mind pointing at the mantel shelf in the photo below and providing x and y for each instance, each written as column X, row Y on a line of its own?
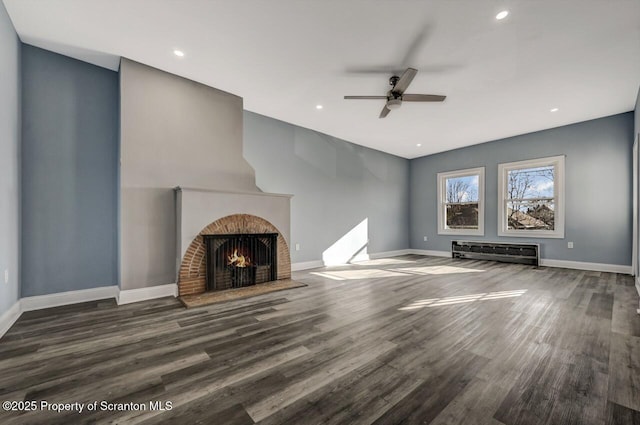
column 230, row 192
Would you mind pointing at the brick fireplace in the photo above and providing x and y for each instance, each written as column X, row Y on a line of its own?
column 238, row 226
column 192, row 278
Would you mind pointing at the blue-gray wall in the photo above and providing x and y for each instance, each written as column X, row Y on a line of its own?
column 69, row 174
column 636, row 114
column 336, row 185
column 9, row 161
column 598, row 187
column 636, row 135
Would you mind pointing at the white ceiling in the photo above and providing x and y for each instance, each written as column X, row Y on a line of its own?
column 283, row 57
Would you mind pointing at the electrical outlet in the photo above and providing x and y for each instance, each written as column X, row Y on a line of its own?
column 426, row 238
column 6, row 276
column 297, row 247
column 570, row 245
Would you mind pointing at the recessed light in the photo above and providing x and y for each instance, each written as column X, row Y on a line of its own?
column 554, row 110
column 318, row 106
column 419, row 144
column 502, row 15
column 178, row 53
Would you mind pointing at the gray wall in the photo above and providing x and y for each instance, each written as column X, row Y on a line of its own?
column 636, row 135
column 336, row 185
column 598, row 185
column 174, row 132
column 69, row 174
column 636, row 114
column 9, row 161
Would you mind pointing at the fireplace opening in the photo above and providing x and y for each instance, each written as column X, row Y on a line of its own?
column 239, row 260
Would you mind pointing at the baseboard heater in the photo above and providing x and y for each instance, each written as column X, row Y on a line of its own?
column 505, row 252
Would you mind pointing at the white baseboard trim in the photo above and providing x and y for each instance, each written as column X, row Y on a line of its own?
column 430, row 252
column 361, row 257
column 127, row 296
column 580, row 265
column 39, row 302
column 9, row 317
column 387, row 254
column 638, row 289
column 306, row 265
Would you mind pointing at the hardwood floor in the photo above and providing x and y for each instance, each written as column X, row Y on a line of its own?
column 411, row 340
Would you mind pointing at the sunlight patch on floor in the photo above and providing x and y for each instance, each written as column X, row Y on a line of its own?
column 438, row 302
column 357, row 274
column 327, row 275
column 437, row 270
column 395, row 272
column 384, row 262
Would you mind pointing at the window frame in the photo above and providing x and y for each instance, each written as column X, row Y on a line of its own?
column 442, row 204
column 558, row 162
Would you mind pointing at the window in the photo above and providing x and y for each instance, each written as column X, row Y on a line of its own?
column 531, row 198
column 461, row 202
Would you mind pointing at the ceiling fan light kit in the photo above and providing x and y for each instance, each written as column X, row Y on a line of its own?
column 394, row 103
column 396, row 95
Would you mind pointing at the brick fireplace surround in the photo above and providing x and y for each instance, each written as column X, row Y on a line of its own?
column 191, row 277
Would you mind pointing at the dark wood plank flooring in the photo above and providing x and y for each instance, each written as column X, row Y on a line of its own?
column 406, row 340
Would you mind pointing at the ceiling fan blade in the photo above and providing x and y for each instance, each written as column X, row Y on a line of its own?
column 423, row 98
column 391, row 70
column 405, row 80
column 409, row 58
column 376, row 69
column 365, row 97
column 416, row 44
column 385, row 111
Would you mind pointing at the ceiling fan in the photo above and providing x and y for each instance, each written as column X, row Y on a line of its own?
column 397, row 94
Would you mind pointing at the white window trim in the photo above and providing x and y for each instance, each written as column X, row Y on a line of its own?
column 442, row 193
column 558, row 194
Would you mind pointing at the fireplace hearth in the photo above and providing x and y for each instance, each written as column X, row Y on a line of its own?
column 240, row 260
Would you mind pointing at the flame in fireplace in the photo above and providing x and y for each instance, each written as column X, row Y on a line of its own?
column 237, row 260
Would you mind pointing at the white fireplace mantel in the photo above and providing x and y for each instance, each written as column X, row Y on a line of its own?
column 197, row 208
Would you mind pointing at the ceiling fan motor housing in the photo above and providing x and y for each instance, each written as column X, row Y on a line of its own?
column 394, row 103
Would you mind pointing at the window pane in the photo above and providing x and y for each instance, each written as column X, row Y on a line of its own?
column 530, row 183
column 531, row 215
column 462, row 216
column 462, row 189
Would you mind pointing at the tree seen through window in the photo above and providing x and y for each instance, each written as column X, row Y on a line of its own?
column 530, row 198
column 462, row 202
